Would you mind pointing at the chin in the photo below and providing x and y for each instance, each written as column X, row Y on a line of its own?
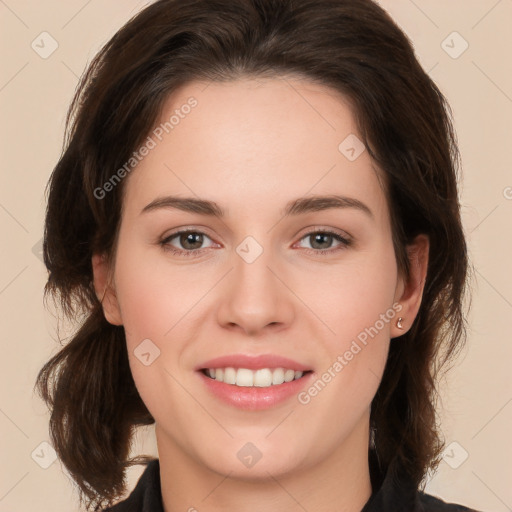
column 249, row 461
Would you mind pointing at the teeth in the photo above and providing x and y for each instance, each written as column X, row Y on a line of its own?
column 262, row 378
column 278, row 376
column 229, row 375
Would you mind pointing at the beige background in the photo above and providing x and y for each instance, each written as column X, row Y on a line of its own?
column 34, row 95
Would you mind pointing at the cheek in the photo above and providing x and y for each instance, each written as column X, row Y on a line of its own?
column 360, row 312
column 353, row 296
column 151, row 304
column 358, row 308
column 151, row 295
column 157, row 304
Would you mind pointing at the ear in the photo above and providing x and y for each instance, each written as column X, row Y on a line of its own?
column 105, row 290
column 410, row 292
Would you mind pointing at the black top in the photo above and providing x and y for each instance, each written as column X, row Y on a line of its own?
column 390, row 494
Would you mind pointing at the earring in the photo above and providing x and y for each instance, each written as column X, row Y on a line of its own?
column 399, row 323
column 372, row 437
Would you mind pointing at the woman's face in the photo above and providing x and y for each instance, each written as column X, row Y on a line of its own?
column 257, row 281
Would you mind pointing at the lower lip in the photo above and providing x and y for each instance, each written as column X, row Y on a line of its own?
column 255, row 398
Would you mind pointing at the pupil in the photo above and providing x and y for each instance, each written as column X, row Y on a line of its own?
column 320, row 236
column 189, row 239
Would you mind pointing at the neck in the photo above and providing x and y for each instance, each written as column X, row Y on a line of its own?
column 341, row 477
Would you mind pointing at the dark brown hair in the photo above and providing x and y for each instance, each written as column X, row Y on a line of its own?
column 352, row 46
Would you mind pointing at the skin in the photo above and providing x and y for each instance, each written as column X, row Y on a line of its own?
column 252, row 146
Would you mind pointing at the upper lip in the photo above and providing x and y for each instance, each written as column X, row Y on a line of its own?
column 253, row 362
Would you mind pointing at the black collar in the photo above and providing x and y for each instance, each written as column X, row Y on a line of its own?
column 391, row 493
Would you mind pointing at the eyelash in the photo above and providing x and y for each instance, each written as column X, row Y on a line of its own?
column 345, row 242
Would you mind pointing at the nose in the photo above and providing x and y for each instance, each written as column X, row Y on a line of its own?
column 255, row 298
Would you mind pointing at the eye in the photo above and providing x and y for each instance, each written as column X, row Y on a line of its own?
column 319, row 239
column 191, row 242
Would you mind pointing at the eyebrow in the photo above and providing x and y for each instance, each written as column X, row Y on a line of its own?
column 297, row 206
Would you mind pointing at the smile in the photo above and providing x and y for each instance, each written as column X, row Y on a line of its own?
column 254, row 390
column 245, row 377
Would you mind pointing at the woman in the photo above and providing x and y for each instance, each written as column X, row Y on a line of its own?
column 256, row 212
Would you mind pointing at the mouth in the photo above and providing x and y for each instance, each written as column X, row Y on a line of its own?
column 254, row 378
column 255, row 389
column 254, row 382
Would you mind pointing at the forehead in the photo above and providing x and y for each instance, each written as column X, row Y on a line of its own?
column 253, row 140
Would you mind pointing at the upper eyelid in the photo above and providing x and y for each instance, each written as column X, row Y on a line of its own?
column 184, row 231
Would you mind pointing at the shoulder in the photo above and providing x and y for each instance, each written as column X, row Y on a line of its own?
column 429, row 503
column 394, row 491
